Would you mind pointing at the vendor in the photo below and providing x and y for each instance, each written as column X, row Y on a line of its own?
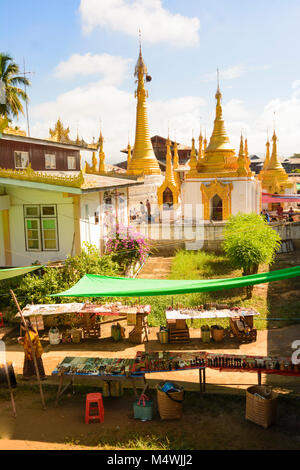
column 28, row 368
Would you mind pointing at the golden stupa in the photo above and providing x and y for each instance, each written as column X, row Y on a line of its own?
column 219, row 156
column 143, row 160
column 273, row 176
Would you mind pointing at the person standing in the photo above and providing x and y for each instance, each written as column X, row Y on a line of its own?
column 28, row 368
column 148, row 206
column 142, row 211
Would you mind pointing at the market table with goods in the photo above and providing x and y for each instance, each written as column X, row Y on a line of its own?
column 120, row 369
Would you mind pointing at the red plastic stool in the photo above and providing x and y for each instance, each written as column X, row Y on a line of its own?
column 94, row 403
column 1, row 320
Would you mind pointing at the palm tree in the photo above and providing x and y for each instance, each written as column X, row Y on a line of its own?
column 11, row 81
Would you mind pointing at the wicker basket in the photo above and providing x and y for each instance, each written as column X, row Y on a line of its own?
column 169, row 408
column 217, row 334
column 259, row 410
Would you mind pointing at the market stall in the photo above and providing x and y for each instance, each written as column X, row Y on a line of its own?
column 135, row 315
column 178, row 330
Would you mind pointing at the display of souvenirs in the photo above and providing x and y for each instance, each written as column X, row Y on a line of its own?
column 95, row 366
column 209, row 311
column 167, row 361
column 230, row 361
column 116, row 307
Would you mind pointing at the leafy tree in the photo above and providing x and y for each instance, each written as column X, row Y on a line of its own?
column 37, row 289
column 13, row 82
column 250, row 241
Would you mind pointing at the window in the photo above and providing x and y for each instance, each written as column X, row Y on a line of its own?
column 41, row 227
column 71, row 163
column 21, row 159
column 33, row 240
column 50, row 161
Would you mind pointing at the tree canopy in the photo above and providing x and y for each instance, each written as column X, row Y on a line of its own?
column 14, row 84
column 250, row 241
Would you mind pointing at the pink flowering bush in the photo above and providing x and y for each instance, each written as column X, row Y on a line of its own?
column 127, row 247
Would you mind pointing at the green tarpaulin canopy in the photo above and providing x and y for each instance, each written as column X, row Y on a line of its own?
column 13, row 272
column 92, row 285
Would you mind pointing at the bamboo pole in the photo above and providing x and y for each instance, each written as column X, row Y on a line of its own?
column 32, row 349
column 10, row 390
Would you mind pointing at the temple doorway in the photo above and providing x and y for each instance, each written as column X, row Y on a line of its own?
column 216, row 208
column 167, row 198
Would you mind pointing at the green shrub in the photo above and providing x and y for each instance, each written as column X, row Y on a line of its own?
column 249, row 241
column 37, row 289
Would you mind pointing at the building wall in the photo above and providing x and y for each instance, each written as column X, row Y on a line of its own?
column 36, row 155
column 65, row 224
column 90, row 219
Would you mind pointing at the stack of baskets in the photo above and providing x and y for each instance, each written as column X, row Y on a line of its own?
column 169, row 402
column 261, row 405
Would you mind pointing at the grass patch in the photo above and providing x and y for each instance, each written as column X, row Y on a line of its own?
column 203, row 265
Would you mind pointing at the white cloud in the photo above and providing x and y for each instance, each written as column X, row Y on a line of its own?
column 156, row 23
column 235, row 71
column 113, row 69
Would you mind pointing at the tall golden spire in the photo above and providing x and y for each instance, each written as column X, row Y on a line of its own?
column 176, row 164
column 241, row 161
column 169, row 181
column 94, row 163
column 169, row 176
column 248, row 161
column 200, row 150
column 102, row 168
column 274, row 161
column 143, row 158
column 204, row 142
column 267, row 159
column 193, row 162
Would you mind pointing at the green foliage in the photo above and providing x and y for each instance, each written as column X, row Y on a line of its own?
column 35, row 289
column 13, row 82
column 250, row 241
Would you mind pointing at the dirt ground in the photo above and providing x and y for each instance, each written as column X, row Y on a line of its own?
column 218, row 417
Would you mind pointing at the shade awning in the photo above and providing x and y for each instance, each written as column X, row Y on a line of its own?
column 278, row 198
column 14, row 272
column 92, row 285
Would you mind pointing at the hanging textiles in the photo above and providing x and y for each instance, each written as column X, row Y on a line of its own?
column 274, row 198
column 13, row 272
column 92, row 285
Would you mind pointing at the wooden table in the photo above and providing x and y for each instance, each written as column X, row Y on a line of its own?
column 107, row 378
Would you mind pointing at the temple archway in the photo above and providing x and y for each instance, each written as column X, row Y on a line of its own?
column 216, row 208
column 168, row 198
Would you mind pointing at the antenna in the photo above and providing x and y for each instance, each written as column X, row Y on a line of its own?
column 26, row 101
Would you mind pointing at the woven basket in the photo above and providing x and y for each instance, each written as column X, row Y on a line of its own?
column 217, row 334
column 168, row 408
column 258, row 410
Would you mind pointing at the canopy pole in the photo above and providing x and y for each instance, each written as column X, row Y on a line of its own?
column 32, row 349
column 10, row 390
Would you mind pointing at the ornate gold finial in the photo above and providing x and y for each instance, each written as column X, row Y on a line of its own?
column 274, row 161
column 204, row 142
column 143, row 159
column 59, row 133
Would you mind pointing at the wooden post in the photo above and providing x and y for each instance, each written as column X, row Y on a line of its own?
column 10, row 390
column 32, row 349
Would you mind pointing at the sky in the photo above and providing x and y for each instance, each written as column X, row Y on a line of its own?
column 82, row 54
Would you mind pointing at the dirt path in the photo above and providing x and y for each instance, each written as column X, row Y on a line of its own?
column 156, row 267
